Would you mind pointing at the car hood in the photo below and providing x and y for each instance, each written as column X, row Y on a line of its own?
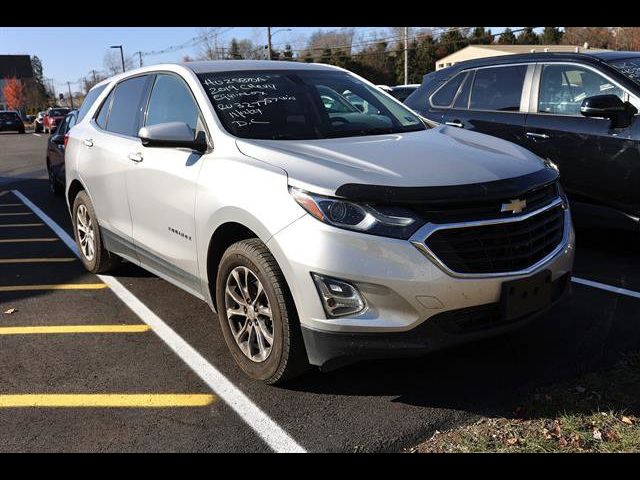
column 442, row 156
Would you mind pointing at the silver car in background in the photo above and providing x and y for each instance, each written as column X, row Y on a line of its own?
column 319, row 231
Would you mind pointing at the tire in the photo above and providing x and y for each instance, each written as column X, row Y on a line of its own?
column 287, row 357
column 54, row 187
column 21, row 131
column 101, row 260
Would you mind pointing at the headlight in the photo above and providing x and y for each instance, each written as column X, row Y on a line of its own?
column 395, row 222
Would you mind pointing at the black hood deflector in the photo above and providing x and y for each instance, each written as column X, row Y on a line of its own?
column 494, row 190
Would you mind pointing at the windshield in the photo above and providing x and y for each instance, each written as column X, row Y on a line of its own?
column 8, row 116
column 58, row 112
column 303, row 105
column 628, row 66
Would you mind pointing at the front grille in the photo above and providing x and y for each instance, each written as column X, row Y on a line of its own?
column 451, row 212
column 499, row 248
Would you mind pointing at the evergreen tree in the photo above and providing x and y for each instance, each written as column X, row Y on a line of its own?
column 326, row 56
column 234, row 49
column 551, row 36
column 507, row 37
column 288, row 53
column 480, row 36
column 528, row 37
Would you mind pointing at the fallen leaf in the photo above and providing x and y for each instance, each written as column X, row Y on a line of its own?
column 563, row 442
column 512, row 441
column 627, row 420
column 597, row 434
column 610, row 435
column 10, row 311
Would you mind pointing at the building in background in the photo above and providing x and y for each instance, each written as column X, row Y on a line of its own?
column 18, row 66
column 482, row 51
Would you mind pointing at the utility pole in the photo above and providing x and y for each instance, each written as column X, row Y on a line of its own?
column 140, row 57
column 70, row 96
column 121, row 54
column 406, row 55
column 269, row 43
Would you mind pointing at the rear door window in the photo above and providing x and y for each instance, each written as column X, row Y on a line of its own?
column 444, row 95
column 126, row 109
column 498, row 88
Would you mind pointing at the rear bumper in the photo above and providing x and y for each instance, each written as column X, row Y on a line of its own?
column 330, row 349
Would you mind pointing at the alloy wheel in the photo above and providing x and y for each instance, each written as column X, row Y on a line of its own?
column 86, row 233
column 249, row 314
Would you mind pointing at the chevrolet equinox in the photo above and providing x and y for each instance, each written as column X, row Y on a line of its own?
column 318, row 216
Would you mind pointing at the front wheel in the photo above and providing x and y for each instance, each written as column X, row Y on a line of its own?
column 95, row 257
column 257, row 315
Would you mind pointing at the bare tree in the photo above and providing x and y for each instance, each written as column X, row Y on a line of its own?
column 596, row 37
column 113, row 63
column 320, row 40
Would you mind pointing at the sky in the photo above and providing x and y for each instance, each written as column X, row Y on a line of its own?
column 69, row 53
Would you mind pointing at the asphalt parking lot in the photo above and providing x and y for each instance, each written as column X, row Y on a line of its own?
column 132, row 363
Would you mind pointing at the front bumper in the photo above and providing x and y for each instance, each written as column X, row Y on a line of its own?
column 330, row 350
column 404, row 290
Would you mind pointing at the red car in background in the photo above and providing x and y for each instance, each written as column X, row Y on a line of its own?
column 53, row 117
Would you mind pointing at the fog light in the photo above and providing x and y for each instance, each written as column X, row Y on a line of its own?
column 338, row 298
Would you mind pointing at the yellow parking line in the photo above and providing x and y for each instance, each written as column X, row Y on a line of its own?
column 27, row 240
column 37, row 260
column 13, row 225
column 60, row 286
column 75, row 329
column 135, row 400
column 13, row 214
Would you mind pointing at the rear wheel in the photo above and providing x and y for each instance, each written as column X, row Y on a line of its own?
column 257, row 315
column 95, row 257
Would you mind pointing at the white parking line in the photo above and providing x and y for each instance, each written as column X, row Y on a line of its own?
column 37, row 135
column 604, row 286
column 256, row 419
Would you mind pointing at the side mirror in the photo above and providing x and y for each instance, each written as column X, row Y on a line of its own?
column 172, row 135
column 609, row 106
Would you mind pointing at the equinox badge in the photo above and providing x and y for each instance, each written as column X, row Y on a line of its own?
column 514, row 206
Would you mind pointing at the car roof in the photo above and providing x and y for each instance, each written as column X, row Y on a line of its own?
column 586, row 56
column 209, row 66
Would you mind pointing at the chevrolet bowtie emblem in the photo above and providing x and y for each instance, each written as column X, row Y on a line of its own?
column 514, row 206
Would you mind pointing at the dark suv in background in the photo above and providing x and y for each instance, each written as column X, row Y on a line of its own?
column 10, row 122
column 579, row 111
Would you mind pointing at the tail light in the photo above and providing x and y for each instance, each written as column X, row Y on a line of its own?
column 66, row 139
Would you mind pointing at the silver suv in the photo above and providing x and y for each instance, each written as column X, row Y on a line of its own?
column 321, row 231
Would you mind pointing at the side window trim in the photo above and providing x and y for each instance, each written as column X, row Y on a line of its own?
column 535, row 88
column 523, row 93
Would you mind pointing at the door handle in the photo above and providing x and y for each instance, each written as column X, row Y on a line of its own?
column 455, row 123
column 136, row 157
column 543, row 136
column 88, row 142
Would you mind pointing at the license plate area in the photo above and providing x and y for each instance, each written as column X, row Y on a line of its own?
column 526, row 295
